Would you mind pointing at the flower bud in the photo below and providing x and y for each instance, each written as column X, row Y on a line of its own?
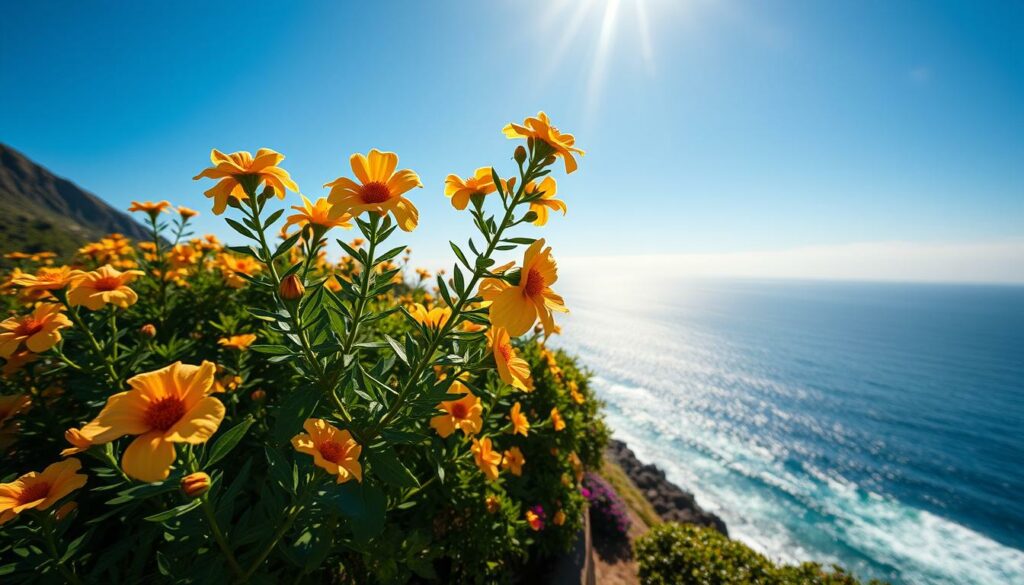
column 291, row 288
column 149, row 330
column 520, row 154
column 195, row 484
column 550, row 160
column 531, row 216
column 493, row 503
column 258, row 395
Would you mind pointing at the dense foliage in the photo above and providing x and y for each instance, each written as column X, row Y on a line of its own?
column 684, row 554
column 607, row 510
column 180, row 411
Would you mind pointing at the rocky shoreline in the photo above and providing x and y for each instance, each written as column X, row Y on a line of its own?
column 670, row 501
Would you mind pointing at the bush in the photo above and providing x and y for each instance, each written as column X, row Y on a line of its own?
column 684, row 554
column 607, row 510
column 177, row 410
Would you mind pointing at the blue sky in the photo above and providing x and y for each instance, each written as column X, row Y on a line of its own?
column 711, row 127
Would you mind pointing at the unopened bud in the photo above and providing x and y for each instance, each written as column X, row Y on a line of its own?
column 258, row 395
column 149, row 330
column 493, row 504
column 550, row 160
column 291, row 288
column 520, row 154
column 195, row 484
column 531, row 216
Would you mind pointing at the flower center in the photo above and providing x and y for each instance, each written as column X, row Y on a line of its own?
column 106, row 283
column 535, row 283
column 36, row 491
column 164, row 413
column 29, row 327
column 333, row 452
column 459, row 410
column 374, row 192
column 506, row 351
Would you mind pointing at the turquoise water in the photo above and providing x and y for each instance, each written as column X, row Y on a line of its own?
column 874, row 425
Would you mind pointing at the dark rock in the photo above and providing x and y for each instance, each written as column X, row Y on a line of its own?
column 670, row 501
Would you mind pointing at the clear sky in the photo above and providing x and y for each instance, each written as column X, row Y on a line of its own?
column 717, row 128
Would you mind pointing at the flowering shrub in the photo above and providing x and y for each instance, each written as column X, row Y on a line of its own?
column 685, row 554
column 607, row 509
column 178, row 410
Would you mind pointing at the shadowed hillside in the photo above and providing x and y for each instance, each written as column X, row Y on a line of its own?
column 41, row 211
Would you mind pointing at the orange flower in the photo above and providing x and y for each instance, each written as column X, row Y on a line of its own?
column 512, row 369
column 545, row 200
column 433, row 319
column 186, row 213
column 559, row 518
column 47, row 279
column 150, row 208
column 239, row 342
column 574, row 391
column 517, row 307
column 487, row 459
column 232, row 266
column 38, row 331
column 379, row 189
column 461, row 190
column 540, row 128
column 577, row 466
column 463, row 414
column 39, row 491
column 104, row 286
column 493, row 504
column 164, row 407
column 520, row 424
column 556, row 420
column 318, row 214
column 513, row 461
column 231, row 169
column 534, row 520
column 332, row 449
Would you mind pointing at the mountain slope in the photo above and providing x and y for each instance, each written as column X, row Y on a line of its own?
column 40, row 211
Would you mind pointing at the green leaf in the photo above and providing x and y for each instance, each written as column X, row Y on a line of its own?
column 228, row 441
column 295, row 409
column 387, row 466
column 174, row 512
column 461, row 256
column 362, row 504
column 271, row 349
column 398, row 349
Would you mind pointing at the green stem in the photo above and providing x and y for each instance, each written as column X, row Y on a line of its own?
column 293, row 513
column 51, row 547
column 219, row 536
column 364, row 284
column 76, row 318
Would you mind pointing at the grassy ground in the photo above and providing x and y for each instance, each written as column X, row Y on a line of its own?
column 629, row 493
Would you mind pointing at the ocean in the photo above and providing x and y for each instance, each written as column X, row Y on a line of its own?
column 879, row 426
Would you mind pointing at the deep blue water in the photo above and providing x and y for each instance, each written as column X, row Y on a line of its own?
column 876, row 425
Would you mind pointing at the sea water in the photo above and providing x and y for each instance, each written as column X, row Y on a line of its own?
column 878, row 426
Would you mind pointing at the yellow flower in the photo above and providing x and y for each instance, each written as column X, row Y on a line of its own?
column 379, row 189
column 461, row 190
column 332, row 449
column 186, row 213
column 486, row 458
column 556, row 420
column 559, row 518
column 79, row 442
column 433, row 319
column 517, row 307
column 150, row 208
column 540, row 128
column 512, row 369
column 232, row 168
column 318, row 214
column 167, row 406
column 545, row 201
column 520, row 424
column 47, row 279
column 38, row 331
column 239, row 342
column 577, row 466
column 513, row 461
column 232, row 266
column 182, row 256
column 463, row 414
column 39, row 491
column 574, row 391
column 104, row 286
